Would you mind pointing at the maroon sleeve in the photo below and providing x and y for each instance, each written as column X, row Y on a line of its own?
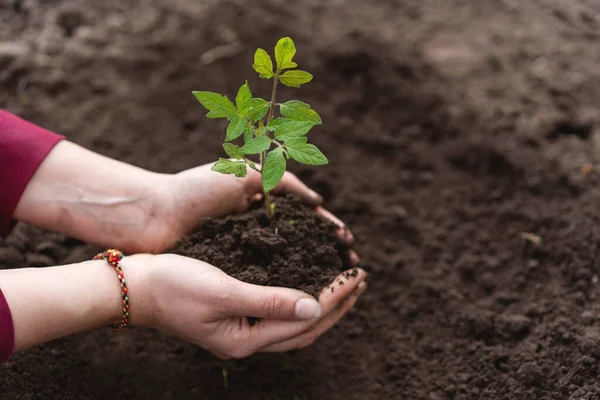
column 23, row 147
column 7, row 331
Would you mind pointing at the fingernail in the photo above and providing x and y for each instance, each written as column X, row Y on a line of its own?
column 354, row 258
column 316, row 196
column 360, row 288
column 308, row 308
column 349, row 236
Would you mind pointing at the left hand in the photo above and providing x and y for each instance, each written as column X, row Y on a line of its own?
column 190, row 196
column 212, row 307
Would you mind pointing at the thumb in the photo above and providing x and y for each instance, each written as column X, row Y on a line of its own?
column 267, row 302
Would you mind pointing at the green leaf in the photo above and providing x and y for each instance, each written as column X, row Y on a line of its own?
column 290, row 128
column 284, row 52
column 256, row 145
column 225, row 166
column 273, row 169
column 295, row 142
column 295, row 78
column 233, row 150
column 235, row 129
column 305, row 153
column 217, row 105
column 258, row 109
column 274, row 123
column 240, row 170
column 252, row 165
column 287, row 138
column 243, row 100
column 248, row 133
column 299, row 111
column 263, row 64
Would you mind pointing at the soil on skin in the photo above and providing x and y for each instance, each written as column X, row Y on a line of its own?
column 452, row 128
column 298, row 249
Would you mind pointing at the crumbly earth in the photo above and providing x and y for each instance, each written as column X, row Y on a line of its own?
column 297, row 249
column 463, row 140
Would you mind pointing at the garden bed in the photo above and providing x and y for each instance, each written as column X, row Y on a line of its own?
column 462, row 142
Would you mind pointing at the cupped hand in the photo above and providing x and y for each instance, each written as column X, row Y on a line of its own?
column 190, row 196
column 201, row 304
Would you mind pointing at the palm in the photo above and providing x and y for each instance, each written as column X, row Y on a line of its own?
column 191, row 196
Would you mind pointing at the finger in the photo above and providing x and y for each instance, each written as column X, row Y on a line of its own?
column 255, row 197
column 267, row 302
column 306, row 339
column 354, row 258
column 341, row 287
column 291, row 184
column 342, row 230
column 268, row 332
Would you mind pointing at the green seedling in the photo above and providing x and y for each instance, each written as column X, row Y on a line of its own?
column 274, row 139
column 225, row 380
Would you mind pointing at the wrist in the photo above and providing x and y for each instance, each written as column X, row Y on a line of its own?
column 164, row 228
column 137, row 271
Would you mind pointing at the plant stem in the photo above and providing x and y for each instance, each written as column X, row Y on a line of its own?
column 268, row 205
column 263, row 155
column 273, row 93
column 225, row 380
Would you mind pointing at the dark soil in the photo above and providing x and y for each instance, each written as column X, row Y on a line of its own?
column 298, row 249
column 463, row 140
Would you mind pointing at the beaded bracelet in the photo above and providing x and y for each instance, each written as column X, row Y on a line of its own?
column 114, row 257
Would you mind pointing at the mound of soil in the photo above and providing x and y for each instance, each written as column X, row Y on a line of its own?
column 463, row 144
column 298, row 249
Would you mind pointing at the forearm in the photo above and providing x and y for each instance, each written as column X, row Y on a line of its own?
column 49, row 303
column 91, row 197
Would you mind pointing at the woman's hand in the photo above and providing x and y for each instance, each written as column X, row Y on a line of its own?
column 202, row 305
column 113, row 204
column 181, row 296
column 191, row 196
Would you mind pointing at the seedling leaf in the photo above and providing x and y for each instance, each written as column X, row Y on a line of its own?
column 295, row 78
column 252, row 165
column 258, row 109
column 299, row 111
column 233, row 150
column 217, row 105
column 284, row 52
column 235, row 129
column 276, row 139
column 248, row 133
column 290, row 128
column 256, row 145
column 295, row 142
column 263, row 64
column 273, row 169
column 243, row 100
column 274, row 123
column 305, row 153
column 225, row 166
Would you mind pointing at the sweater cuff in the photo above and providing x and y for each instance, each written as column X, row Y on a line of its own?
column 7, row 331
column 23, row 147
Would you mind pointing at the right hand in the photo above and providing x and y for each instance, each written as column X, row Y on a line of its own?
column 189, row 197
column 202, row 305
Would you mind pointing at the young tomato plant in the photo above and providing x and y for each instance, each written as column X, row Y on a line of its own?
column 275, row 138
